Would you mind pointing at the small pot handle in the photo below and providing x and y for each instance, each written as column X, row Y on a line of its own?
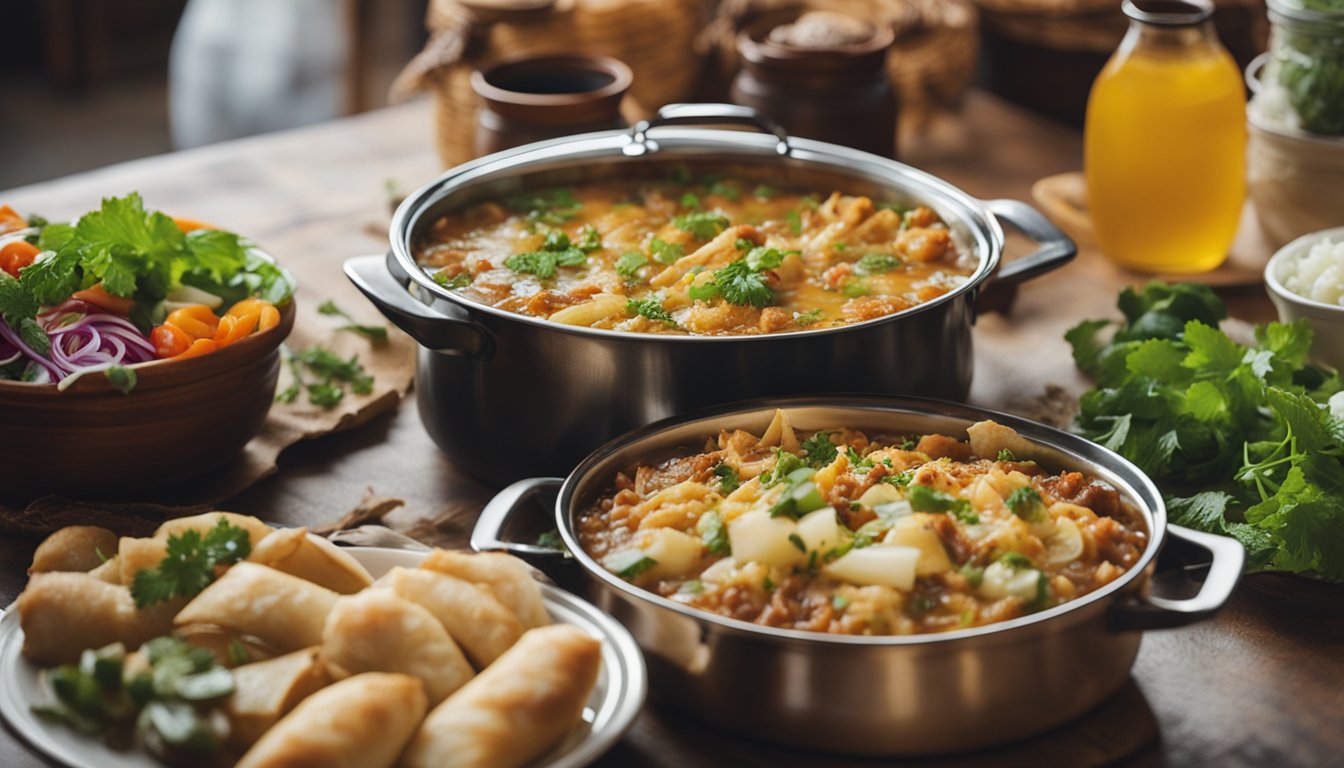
column 488, row 532
column 379, row 278
column 1152, row 612
column 1056, row 248
column 639, row 142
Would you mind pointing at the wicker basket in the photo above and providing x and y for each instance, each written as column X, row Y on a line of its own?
column 654, row 37
column 930, row 64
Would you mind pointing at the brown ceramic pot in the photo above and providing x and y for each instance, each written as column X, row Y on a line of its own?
column 530, row 98
column 183, row 419
column 836, row 94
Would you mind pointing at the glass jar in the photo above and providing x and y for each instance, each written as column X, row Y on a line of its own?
column 1165, row 142
column 1306, row 63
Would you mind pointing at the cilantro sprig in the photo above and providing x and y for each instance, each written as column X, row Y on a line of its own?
column 188, row 565
column 333, row 373
column 743, row 281
column 376, row 333
column 556, row 251
column 1237, row 436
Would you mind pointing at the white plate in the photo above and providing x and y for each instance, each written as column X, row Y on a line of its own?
column 613, row 706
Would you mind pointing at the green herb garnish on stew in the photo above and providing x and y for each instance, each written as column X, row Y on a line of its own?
column 876, row 264
column 819, row 450
column 650, row 307
column 665, row 252
column 702, row 225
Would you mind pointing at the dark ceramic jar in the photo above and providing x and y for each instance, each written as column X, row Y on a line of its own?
column 537, row 97
column 831, row 91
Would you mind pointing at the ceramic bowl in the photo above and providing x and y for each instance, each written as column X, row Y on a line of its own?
column 1326, row 320
column 183, row 419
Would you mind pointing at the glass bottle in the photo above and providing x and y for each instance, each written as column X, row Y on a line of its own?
column 1165, row 142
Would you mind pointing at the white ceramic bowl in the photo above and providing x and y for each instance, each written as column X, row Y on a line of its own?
column 1326, row 320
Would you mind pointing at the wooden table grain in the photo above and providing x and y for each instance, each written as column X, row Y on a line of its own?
column 1262, row 684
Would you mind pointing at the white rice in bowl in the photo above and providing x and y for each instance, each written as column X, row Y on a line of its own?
column 1317, row 273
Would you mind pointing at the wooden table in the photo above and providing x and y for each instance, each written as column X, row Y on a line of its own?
column 1259, row 685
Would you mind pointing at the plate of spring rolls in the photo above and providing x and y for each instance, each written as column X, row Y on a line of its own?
column 223, row 641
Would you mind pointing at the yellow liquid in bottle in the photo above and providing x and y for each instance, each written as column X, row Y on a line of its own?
column 1165, row 155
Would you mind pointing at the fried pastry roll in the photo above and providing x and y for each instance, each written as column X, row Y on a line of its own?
column 509, row 578
column 281, row 610
column 80, row 548
column 315, row 559
column 266, row 691
column 378, row 631
column 473, row 617
column 360, row 722
column 63, row 613
column 516, row 709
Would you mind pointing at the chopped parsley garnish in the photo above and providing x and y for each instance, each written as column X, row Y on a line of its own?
column 372, row 332
column 650, row 307
column 810, row 317
column 785, row 464
column 768, row 584
column 702, row 225
column 819, row 449
column 589, row 239
column 690, row 200
column 925, row 499
column 332, row 371
column 1026, row 503
column 705, row 292
column 1016, row 560
column 743, row 244
column 455, row 282
column 762, row 258
column 553, row 206
column 908, row 443
column 728, row 479
column 1005, row 455
column 764, row 191
column 854, row 288
column 556, row 251
column 629, row 263
column 839, row 602
column 739, row 284
column 795, row 222
column 900, row 479
column 811, row 201
column 714, row 534
column 876, row 264
column 725, row 189
column 188, row 565
column 839, row 247
column 860, row 463
column 974, row 574
column 797, row 541
column 665, row 252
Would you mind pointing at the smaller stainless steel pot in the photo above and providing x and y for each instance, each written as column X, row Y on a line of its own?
column 902, row 695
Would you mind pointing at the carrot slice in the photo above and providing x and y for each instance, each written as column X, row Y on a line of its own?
column 169, row 341
column 16, row 255
column 98, row 296
column 198, row 347
column 270, row 317
column 191, row 225
column 247, row 307
column 10, row 220
column 196, row 319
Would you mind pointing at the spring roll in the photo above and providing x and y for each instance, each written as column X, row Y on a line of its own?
column 281, row 610
column 293, row 551
column 63, row 613
column 79, row 548
column 109, row 571
column 266, row 691
column 509, row 578
column 135, row 555
column 377, row 631
column 516, row 709
column 360, row 722
column 473, row 617
column 256, row 529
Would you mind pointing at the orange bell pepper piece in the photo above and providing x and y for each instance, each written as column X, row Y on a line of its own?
column 11, row 221
column 169, row 341
column 247, row 307
column 198, row 347
column 98, row 296
column 196, row 319
column 233, row 329
column 16, row 255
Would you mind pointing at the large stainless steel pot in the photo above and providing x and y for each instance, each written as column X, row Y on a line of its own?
column 912, row 695
column 509, row 396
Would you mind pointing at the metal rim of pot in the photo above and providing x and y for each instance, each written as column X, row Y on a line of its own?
column 1143, row 612
column 438, row 330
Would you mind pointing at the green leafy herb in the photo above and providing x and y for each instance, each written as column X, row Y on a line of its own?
column 900, row 479
column 764, row 191
column 455, row 282
column 705, row 292
column 544, row 263
column 373, row 332
column 689, row 200
column 728, row 478
column 1309, row 65
column 1026, row 503
column 922, row 498
column 974, row 574
column 238, row 653
column 665, row 252
column 743, row 244
column 762, row 258
column 768, row 585
column 1005, row 455
column 876, row 264
column 333, row 374
column 860, row 464
column 702, row 225
column 1016, row 560
column 739, row 284
column 810, row 317
column 785, row 464
column 553, row 207
column 714, row 534
column 650, row 307
column 1236, row 435
column 855, row 287
column 795, row 222
column 692, row 587
column 189, row 563
column 726, row 189
column 629, row 263
column 121, row 378
column 589, row 239
column 797, row 542
column 819, row 450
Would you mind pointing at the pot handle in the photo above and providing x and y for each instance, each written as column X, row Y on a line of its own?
column 639, row 142
column 488, row 531
column 1152, row 612
column 1056, row 248
column 384, row 283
